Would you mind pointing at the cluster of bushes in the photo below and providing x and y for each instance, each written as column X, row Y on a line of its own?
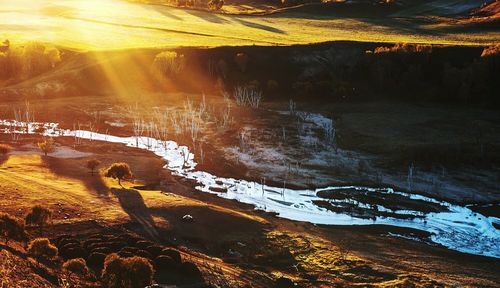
column 24, row 61
column 403, row 48
column 343, row 71
column 126, row 260
column 122, row 260
column 13, row 228
column 405, row 72
column 434, row 75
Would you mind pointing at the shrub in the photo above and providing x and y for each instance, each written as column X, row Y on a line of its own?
column 4, row 149
column 247, row 96
column 92, row 164
column 215, row 5
column 491, row 51
column 47, row 146
column 41, row 248
column 38, row 216
column 404, row 48
column 169, row 63
column 77, row 266
column 130, row 272
column 12, row 228
column 118, row 171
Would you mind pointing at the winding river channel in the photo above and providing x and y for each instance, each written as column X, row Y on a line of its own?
column 453, row 226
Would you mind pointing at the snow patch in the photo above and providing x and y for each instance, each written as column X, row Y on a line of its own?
column 458, row 228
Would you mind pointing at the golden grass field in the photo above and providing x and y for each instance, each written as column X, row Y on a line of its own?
column 116, row 24
column 64, row 184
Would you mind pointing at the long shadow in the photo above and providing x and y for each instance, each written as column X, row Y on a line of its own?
column 207, row 16
column 259, row 26
column 360, row 12
column 403, row 25
column 61, row 167
column 163, row 9
column 133, row 204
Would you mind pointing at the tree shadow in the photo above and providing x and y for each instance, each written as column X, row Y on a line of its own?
column 259, row 26
column 163, row 9
column 68, row 168
column 207, row 16
column 133, row 204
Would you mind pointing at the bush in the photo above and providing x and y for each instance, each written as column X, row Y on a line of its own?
column 491, row 51
column 47, row 146
column 404, row 48
column 247, row 96
column 215, row 5
column 130, row 272
column 92, row 164
column 169, row 63
column 41, row 248
column 38, row 216
column 12, row 228
column 76, row 266
column 5, row 149
column 118, row 171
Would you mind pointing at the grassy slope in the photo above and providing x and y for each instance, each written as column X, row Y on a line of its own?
column 119, row 25
column 75, row 197
column 373, row 259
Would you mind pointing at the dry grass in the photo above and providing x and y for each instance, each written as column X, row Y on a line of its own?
column 338, row 265
column 16, row 272
column 26, row 180
column 134, row 25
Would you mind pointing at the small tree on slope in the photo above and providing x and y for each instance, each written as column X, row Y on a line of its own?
column 119, row 171
column 47, row 146
column 92, row 164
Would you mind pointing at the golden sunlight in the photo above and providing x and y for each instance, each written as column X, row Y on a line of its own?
column 119, row 24
column 249, row 143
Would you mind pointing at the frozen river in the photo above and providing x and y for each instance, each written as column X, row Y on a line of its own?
column 453, row 226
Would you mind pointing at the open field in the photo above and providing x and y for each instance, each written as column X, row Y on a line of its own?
column 114, row 24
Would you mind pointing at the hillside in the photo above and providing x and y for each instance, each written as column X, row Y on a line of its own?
column 120, row 25
column 156, row 216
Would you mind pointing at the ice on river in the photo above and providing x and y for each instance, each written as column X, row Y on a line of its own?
column 457, row 228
